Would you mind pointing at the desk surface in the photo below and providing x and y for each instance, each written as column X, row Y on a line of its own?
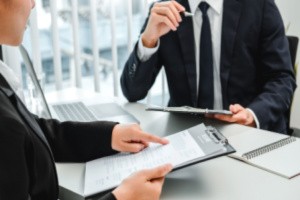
column 222, row 178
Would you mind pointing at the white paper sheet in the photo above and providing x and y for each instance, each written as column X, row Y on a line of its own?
column 108, row 172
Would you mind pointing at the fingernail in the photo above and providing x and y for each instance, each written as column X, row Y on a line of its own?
column 169, row 166
column 165, row 140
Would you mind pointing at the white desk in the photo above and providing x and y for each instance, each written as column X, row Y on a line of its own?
column 219, row 179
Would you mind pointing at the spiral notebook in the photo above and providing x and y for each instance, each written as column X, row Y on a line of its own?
column 276, row 153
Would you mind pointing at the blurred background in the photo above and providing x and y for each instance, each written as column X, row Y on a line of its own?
column 85, row 44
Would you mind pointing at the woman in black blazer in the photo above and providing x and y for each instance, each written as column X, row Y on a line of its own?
column 29, row 145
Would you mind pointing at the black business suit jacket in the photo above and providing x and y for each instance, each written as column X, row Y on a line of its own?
column 255, row 66
column 29, row 146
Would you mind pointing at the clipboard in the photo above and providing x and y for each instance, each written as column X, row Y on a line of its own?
column 188, row 147
column 188, row 109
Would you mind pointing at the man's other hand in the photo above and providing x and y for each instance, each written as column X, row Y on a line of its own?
column 239, row 115
column 164, row 16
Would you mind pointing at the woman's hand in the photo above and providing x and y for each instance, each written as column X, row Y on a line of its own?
column 143, row 185
column 131, row 138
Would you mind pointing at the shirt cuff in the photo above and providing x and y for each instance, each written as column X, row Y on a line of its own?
column 145, row 53
column 255, row 118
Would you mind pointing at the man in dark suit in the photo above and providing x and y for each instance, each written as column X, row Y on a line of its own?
column 232, row 54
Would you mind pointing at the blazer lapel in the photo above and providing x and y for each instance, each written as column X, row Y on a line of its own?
column 186, row 38
column 231, row 15
column 20, row 107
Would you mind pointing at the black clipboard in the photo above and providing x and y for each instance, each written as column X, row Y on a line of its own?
column 212, row 143
column 188, row 109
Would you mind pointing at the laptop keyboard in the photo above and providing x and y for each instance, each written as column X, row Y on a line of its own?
column 76, row 111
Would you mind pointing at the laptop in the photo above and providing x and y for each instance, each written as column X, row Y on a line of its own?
column 75, row 111
column 78, row 111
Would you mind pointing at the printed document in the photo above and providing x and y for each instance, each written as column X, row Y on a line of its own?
column 183, row 148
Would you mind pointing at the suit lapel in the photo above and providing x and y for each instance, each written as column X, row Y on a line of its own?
column 231, row 15
column 30, row 121
column 20, row 107
column 187, row 42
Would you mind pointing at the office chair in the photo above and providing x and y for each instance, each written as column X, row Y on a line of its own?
column 293, row 46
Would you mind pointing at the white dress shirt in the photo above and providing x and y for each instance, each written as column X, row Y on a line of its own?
column 12, row 80
column 215, row 15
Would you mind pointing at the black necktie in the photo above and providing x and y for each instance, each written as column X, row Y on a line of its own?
column 206, row 82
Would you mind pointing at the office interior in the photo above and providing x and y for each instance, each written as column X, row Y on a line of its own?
column 85, row 43
column 117, row 28
column 62, row 50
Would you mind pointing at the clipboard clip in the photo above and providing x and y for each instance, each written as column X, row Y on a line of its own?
column 216, row 135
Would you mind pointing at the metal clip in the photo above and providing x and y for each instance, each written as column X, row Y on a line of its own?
column 214, row 133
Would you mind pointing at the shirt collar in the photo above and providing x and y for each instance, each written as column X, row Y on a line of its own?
column 216, row 5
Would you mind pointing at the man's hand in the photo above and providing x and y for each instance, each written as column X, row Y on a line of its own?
column 143, row 185
column 239, row 115
column 130, row 138
column 164, row 16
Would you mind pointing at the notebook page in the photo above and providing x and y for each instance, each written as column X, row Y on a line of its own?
column 252, row 139
column 284, row 161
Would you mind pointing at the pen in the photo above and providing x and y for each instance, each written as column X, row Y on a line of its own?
column 187, row 14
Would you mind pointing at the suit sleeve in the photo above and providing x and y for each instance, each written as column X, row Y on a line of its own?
column 138, row 77
column 78, row 141
column 275, row 69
